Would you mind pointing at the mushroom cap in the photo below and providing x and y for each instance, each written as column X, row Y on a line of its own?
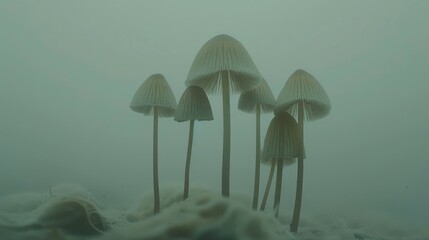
column 261, row 95
column 193, row 105
column 281, row 140
column 154, row 92
column 219, row 54
column 302, row 86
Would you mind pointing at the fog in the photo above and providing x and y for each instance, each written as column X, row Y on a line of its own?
column 68, row 71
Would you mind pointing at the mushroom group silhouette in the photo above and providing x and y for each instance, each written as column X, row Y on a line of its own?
column 155, row 97
column 303, row 97
column 223, row 64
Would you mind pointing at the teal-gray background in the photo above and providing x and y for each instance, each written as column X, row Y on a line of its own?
column 68, row 71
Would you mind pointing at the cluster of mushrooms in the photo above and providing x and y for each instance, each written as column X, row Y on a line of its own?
column 224, row 65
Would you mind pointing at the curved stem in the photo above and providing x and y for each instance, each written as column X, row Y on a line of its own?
column 278, row 191
column 155, row 161
column 188, row 159
column 226, row 134
column 258, row 157
column 300, row 174
column 267, row 188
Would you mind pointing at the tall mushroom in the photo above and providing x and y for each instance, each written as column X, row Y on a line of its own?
column 304, row 98
column 223, row 64
column 280, row 145
column 155, row 97
column 255, row 100
column 193, row 105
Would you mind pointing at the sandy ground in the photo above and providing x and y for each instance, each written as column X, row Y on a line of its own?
column 73, row 213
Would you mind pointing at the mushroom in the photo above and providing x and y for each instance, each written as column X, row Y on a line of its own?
column 280, row 146
column 255, row 100
column 155, row 97
column 304, row 98
column 223, row 64
column 193, row 105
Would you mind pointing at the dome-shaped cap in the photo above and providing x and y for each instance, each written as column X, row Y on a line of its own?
column 281, row 140
column 302, row 86
column 223, row 53
column 154, row 92
column 261, row 95
column 193, row 105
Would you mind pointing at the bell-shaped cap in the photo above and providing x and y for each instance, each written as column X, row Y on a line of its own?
column 302, row 86
column 193, row 105
column 261, row 95
column 223, row 53
column 154, row 92
column 281, row 139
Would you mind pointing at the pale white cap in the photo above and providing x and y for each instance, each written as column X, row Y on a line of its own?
column 223, row 53
column 281, row 140
column 154, row 92
column 261, row 95
column 193, row 105
column 302, row 86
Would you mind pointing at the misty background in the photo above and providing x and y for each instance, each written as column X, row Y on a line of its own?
column 68, row 71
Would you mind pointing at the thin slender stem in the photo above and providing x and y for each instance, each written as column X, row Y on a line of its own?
column 188, row 159
column 267, row 188
column 300, row 174
column 226, row 134
column 278, row 191
column 258, row 157
column 155, row 161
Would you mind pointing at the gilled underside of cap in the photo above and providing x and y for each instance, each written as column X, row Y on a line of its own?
column 193, row 105
column 223, row 54
column 281, row 140
column 261, row 95
column 302, row 86
column 313, row 110
column 149, row 110
column 154, row 92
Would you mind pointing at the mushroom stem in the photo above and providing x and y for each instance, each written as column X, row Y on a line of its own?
column 278, row 191
column 300, row 176
column 188, row 159
column 226, row 134
column 258, row 157
column 155, row 161
column 267, row 188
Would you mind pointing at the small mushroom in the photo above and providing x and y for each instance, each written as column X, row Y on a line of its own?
column 304, row 98
column 280, row 146
column 155, row 97
column 193, row 105
column 256, row 100
column 223, row 64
